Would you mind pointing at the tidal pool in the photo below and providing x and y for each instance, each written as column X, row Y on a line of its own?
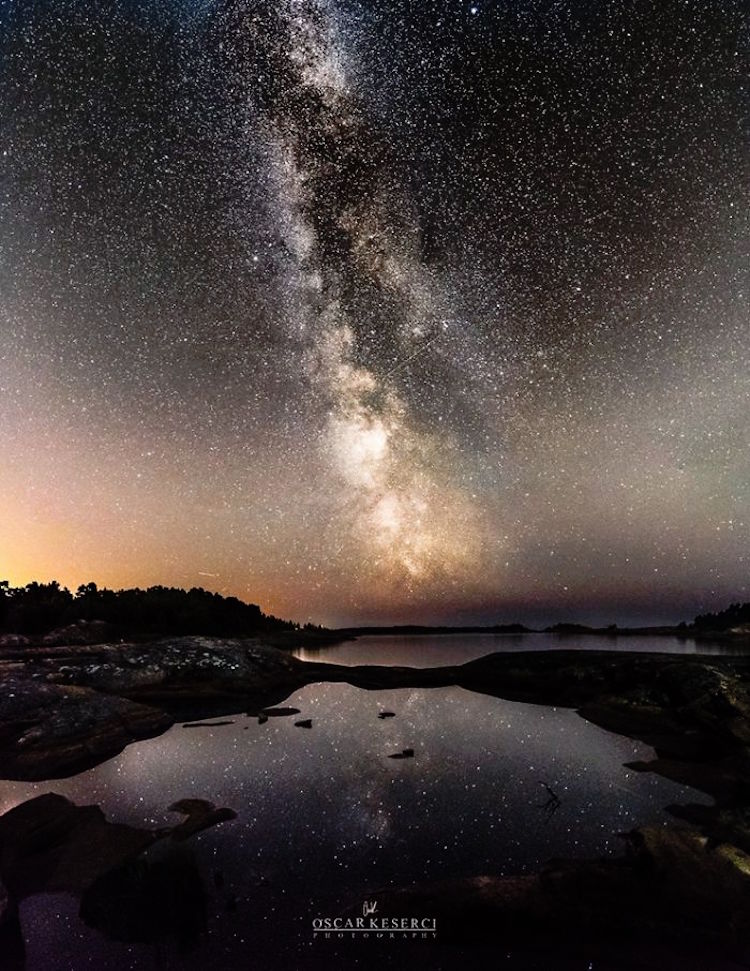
column 324, row 815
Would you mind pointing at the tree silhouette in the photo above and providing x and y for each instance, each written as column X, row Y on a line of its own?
column 39, row 608
column 736, row 615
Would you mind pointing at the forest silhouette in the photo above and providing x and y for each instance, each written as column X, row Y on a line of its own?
column 39, row 608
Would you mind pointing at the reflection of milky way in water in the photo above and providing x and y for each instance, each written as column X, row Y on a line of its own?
column 323, row 815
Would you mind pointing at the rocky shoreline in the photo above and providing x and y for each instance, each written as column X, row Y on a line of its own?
column 670, row 901
column 64, row 709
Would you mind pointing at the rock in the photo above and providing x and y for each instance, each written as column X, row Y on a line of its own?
column 207, row 724
column 48, row 844
column 65, row 709
column 12, row 641
column 156, row 899
column 12, row 948
column 386, row 714
column 180, row 669
column 279, row 712
column 262, row 719
column 50, row 730
column 81, row 632
column 6, row 904
column 669, row 902
column 200, row 815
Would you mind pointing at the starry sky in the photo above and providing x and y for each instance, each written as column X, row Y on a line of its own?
column 372, row 311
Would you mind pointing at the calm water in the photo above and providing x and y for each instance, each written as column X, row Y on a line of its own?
column 432, row 650
column 324, row 815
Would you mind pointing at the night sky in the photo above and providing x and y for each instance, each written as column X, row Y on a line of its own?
column 370, row 311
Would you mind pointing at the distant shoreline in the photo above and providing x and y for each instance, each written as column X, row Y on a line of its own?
column 683, row 632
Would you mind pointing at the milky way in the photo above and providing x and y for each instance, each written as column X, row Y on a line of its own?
column 379, row 311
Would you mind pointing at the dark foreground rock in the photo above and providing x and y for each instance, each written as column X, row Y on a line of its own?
column 12, row 948
column 670, row 901
column 134, row 884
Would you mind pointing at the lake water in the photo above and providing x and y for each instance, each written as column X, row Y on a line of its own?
column 324, row 815
column 433, row 650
